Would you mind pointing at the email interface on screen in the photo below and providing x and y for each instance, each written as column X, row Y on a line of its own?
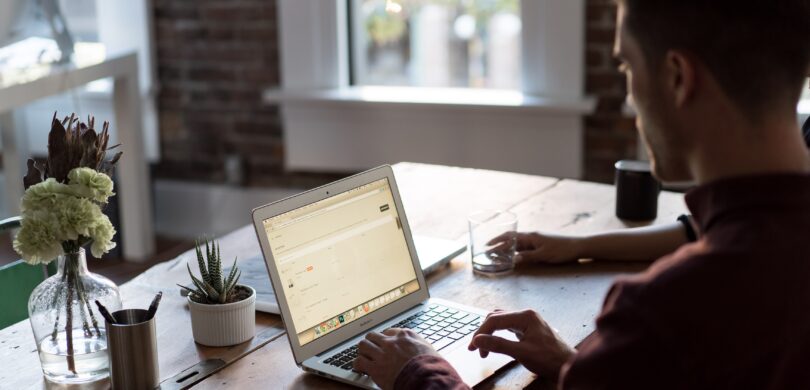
column 341, row 258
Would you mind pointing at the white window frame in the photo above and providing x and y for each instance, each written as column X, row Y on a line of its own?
column 331, row 125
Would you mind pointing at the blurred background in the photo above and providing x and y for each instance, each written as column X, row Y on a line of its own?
column 243, row 102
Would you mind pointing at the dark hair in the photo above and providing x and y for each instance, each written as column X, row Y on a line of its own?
column 757, row 50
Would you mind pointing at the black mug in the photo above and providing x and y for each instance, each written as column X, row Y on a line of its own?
column 636, row 191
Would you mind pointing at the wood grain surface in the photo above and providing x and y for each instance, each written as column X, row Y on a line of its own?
column 437, row 200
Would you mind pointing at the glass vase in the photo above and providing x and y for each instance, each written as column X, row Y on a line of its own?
column 68, row 328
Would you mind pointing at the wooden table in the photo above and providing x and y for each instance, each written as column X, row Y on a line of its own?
column 437, row 200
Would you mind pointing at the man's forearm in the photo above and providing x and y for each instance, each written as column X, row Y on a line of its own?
column 644, row 243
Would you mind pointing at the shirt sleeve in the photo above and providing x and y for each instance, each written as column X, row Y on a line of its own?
column 429, row 372
column 623, row 352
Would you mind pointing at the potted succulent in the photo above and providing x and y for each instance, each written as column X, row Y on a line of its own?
column 223, row 312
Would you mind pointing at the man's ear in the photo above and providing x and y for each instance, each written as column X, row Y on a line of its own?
column 679, row 71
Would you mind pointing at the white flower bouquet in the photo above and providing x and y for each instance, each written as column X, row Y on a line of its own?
column 61, row 214
column 61, row 207
column 59, row 218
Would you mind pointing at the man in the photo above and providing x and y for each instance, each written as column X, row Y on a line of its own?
column 715, row 84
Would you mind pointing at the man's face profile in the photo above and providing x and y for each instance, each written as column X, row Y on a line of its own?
column 646, row 95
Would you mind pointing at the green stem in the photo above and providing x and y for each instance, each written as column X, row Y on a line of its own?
column 55, row 299
column 82, row 314
column 71, row 361
column 85, row 304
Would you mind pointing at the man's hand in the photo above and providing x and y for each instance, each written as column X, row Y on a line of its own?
column 541, row 248
column 383, row 356
column 538, row 349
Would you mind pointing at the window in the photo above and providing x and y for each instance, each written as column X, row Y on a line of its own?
column 333, row 123
column 436, row 43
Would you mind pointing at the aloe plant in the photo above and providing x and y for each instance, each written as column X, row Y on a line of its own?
column 211, row 287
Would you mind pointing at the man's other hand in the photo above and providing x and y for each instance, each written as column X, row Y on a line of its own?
column 383, row 356
column 538, row 348
column 540, row 247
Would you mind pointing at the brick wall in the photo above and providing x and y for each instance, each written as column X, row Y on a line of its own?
column 215, row 57
column 609, row 136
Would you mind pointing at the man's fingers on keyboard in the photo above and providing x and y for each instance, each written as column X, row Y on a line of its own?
column 375, row 338
column 498, row 321
column 518, row 333
column 392, row 331
column 487, row 343
column 362, row 364
column 496, row 311
column 368, row 349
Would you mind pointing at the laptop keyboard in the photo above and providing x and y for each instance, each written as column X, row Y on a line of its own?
column 439, row 325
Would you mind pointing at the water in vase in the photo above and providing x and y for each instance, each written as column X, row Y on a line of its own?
column 90, row 357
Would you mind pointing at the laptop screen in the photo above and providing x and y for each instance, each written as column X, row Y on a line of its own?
column 341, row 258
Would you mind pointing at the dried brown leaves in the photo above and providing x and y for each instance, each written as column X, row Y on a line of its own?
column 73, row 144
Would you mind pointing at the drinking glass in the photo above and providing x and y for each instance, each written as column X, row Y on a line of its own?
column 491, row 246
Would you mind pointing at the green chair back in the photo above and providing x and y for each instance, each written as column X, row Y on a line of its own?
column 17, row 280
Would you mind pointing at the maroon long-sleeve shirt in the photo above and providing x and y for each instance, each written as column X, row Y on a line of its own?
column 730, row 311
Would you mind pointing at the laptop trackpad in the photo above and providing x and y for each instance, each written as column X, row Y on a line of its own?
column 469, row 364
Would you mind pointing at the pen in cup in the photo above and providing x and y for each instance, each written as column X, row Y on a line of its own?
column 105, row 313
column 154, row 305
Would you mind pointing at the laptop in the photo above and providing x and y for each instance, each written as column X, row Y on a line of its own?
column 434, row 254
column 342, row 263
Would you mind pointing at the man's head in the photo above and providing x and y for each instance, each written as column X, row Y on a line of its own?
column 688, row 59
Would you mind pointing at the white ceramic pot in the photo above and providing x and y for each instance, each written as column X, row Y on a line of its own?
column 224, row 325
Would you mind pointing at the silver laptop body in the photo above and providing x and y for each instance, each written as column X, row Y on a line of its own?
column 342, row 262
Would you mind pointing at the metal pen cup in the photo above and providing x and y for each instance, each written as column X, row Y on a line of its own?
column 132, row 347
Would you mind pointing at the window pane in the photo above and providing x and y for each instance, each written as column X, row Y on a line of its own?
column 437, row 43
